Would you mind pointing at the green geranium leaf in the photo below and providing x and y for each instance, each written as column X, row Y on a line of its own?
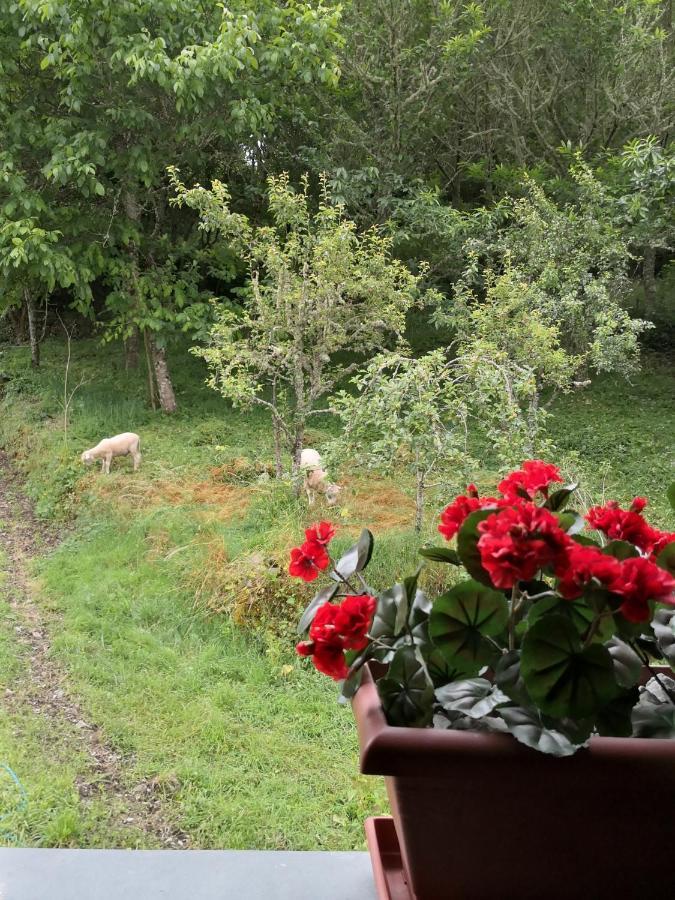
column 563, row 678
column 526, row 725
column 627, row 664
column 356, row 558
column 666, row 558
column 577, row 611
column 509, row 679
column 558, row 499
column 462, row 619
column 467, row 545
column 441, row 554
column 570, row 521
column 615, row 719
column 632, row 630
column 352, row 683
column 406, row 692
column 663, row 625
column 383, row 626
column 473, row 697
column 585, row 540
column 439, row 669
column 654, row 721
column 620, row 550
column 324, row 596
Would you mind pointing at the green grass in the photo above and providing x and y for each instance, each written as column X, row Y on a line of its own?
column 248, row 746
column 40, row 761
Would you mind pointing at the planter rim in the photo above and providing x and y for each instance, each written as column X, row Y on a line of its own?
column 424, row 752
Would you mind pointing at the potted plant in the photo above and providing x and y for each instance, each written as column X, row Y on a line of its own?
column 524, row 718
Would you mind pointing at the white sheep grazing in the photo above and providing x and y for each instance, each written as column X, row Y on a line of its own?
column 316, row 478
column 121, row 445
column 310, row 459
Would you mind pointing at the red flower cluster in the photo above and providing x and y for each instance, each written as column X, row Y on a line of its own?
column 517, row 542
column 312, row 557
column 638, row 582
column 534, row 478
column 583, row 565
column 336, row 629
column 629, row 525
column 453, row 516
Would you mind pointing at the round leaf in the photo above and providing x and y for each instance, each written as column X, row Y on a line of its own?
column 563, row 678
column 406, row 692
column 462, row 618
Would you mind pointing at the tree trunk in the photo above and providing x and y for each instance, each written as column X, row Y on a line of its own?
column 17, row 318
column 152, row 387
column 649, row 278
column 276, row 425
column 32, row 330
column 131, row 355
column 167, row 398
column 419, row 500
column 298, row 443
column 278, row 464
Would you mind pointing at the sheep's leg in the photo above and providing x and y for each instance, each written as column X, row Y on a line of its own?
column 108, row 460
column 103, row 465
column 137, row 460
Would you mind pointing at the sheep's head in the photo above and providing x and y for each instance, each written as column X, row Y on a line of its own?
column 332, row 494
column 87, row 457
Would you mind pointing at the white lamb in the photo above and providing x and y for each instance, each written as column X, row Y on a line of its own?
column 316, row 478
column 121, row 445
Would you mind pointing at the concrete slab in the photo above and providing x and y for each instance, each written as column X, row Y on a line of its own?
column 184, row 875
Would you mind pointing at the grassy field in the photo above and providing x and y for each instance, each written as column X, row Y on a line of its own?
column 185, row 664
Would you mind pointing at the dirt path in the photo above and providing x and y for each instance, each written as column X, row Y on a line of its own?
column 45, row 684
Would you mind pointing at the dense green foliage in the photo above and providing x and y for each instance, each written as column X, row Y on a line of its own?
column 424, row 115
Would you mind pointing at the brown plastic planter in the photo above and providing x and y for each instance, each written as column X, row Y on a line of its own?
column 482, row 816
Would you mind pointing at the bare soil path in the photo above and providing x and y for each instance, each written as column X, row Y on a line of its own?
column 44, row 683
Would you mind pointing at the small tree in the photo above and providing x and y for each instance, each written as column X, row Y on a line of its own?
column 319, row 293
column 512, row 358
column 407, row 411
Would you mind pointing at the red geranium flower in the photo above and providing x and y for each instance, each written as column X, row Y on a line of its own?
column 581, row 566
column 624, row 524
column 353, row 620
column 519, row 541
column 320, row 533
column 307, row 561
column 638, row 581
column 329, row 659
column 323, row 624
column 453, row 516
column 336, row 628
column 534, row 477
column 661, row 540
